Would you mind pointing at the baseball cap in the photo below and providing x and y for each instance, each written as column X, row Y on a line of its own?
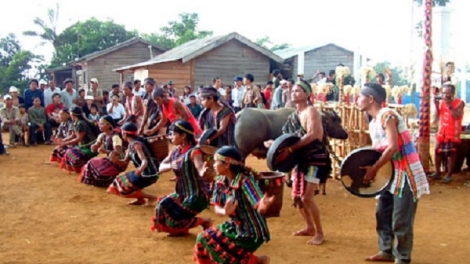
column 237, row 79
column 94, row 80
column 276, row 72
column 42, row 82
column 13, row 89
column 6, row 97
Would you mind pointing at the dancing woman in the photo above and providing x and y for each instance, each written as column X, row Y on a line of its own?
column 236, row 194
column 84, row 136
column 130, row 184
column 64, row 130
column 176, row 213
column 101, row 171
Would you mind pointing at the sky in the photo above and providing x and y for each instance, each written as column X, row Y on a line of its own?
column 379, row 29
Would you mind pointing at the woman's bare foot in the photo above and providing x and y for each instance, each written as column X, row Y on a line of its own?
column 151, row 202
column 139, row 201
column 264, row 259
column 317, row 239
column 304, row 232
column 206, row 223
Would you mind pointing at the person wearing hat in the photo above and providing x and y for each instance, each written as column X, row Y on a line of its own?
column 69, row 95
column 10, row 115
column 237, row 93
column 42, row 84
column 15, row 94
column 277, row 97
column 49, row 92
column 33, row 92
column 98, row 98
column 38, row 123
column 396, row 208
column 84, row 135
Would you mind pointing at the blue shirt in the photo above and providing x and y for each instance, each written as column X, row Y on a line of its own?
column 29, row 97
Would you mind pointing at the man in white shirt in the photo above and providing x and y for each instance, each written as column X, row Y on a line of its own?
column 237, row 93
column 115, row 109
column 138, row 90
column 217, row 84
column 49, row 92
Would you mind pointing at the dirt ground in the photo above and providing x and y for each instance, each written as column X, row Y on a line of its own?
column 47, row 217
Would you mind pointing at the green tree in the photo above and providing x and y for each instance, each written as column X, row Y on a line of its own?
column 267, row 43
column 86, row 37
column 178, row 32
column 16, row 65
column 47, row 29
column 397, row 72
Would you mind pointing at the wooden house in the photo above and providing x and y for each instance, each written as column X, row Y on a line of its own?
column 100, row 64
column 323, row 58
column 198, row 61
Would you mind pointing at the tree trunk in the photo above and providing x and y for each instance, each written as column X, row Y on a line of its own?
column 425, row 100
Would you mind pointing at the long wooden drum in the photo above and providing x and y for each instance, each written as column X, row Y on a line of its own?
column 159, row 146
column 352, row 176
column 273, row 183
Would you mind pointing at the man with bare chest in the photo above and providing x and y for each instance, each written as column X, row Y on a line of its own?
column 314, row 165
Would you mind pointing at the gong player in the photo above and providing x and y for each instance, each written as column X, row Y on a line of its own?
column 315, row 164
column 396, row 207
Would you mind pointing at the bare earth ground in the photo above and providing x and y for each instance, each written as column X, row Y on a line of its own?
column 47, row 217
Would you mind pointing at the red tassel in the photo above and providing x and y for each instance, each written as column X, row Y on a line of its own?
column 348, row 99
column 399, row 100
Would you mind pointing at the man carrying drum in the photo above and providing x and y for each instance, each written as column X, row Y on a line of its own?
column 315, row 164
column 396, row 207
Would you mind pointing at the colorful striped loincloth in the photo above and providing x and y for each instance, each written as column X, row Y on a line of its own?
column 222, row 245
column 174, row 214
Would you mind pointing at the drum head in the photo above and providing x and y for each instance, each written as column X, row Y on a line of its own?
column 352, row 177
column 208, row 150
column 281, row 142
column 206, row 135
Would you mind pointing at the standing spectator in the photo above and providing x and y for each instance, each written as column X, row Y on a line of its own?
column 10, row 117
column 38, row 118
column 194, row 107
column 277, row 77
column 138, row 90
column 186, row 94
column 237, row 93
column 268, row 94
column 97, row 94
column 115, row 109
column 217, row 84
column 42, row 85
column 252, row 95
column 171, row 88
column 81, row 101
column 286, row 95
column 115, row 90
column 32, row 92
column 105, row 102
column 15, row 94
column 49, row 92
column 69, row 95
column 228, row 95
column 277, row 97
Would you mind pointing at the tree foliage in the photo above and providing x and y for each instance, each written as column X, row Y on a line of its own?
column 48, row 29
column 178, row 32
column 15, row 63
column 397, row 72
column 83, row 38
column 267, row 43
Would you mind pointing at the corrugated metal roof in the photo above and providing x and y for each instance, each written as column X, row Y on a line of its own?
column 117, row 47
column 294, row 51
column 197, row 47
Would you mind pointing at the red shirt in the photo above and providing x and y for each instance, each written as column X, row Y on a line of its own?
column 268, row 96
column 50, row 108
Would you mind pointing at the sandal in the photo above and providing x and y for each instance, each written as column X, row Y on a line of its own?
column 446, row 180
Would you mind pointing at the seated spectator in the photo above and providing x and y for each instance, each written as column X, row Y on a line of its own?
column 24, row 125
column 10, row 117
column 53, row 109
column 115, row 109
column 94, row 116
column 38, row 122
column 15, row 94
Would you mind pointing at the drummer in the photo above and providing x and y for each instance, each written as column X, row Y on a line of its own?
column 315, row 165
column 217, row 114
column 396, row 208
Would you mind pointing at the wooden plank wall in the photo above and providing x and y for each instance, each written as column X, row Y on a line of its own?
column 229, row 60
column 326, row 58
column 176, row 71
column 101, row 67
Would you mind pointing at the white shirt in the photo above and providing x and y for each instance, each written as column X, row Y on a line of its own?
column 221, row 91
column 321, row 81
column 67, row 99
column 237, row 96
column 118, row 111
column 141, row 92
column 48, row 93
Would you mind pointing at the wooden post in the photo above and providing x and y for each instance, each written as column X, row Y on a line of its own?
column 425, row 98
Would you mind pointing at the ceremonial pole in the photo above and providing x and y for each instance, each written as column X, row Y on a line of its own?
column 425, row 98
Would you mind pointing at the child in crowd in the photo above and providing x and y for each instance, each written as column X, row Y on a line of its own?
column 94, row 116
column 24, row 125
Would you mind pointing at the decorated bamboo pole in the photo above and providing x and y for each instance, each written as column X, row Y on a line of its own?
column 425, row 98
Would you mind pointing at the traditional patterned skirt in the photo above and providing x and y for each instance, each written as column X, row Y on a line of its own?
column 58, row 153
column 130, row 185
column 176, row 214
column 100, row 172
column 221, row 245
column 75, row 158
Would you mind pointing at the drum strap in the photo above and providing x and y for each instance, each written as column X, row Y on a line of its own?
column 335, row 157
